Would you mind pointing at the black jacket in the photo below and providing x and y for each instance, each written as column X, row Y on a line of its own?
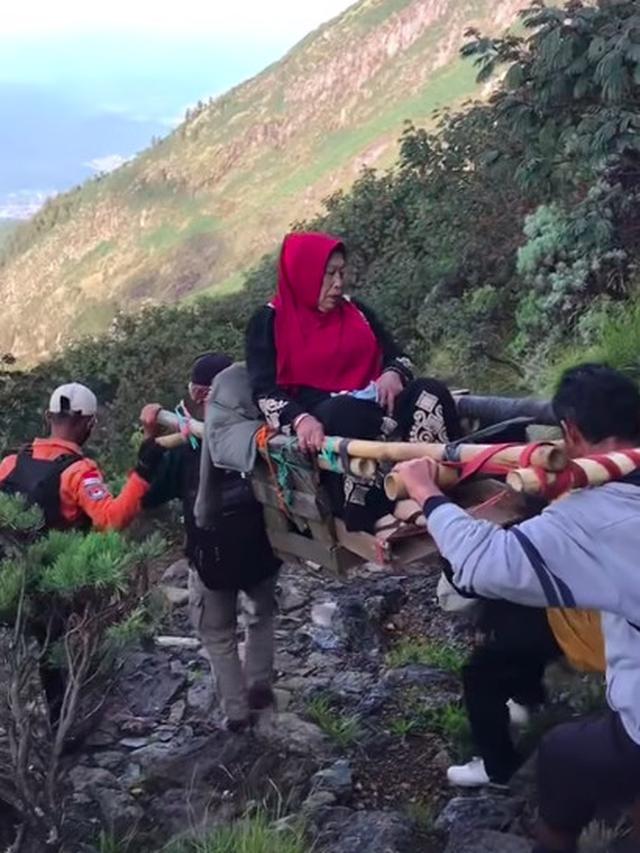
column 281, row 409
column 177, row 479
column 235, row 552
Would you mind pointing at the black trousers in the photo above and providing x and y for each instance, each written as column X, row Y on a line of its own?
column 510, row 664
column 583, row 765
column 424, row 411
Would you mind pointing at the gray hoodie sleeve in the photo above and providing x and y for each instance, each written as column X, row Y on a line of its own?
column 564, row 557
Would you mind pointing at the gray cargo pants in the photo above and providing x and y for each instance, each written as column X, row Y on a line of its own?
column 214, row 614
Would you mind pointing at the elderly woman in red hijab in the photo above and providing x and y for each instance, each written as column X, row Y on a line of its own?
column 321, row 364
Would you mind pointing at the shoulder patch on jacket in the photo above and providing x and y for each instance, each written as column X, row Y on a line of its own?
column 94, row 486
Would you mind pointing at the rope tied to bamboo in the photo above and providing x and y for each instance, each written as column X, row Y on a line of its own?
column 279, row 469
column 593, row 470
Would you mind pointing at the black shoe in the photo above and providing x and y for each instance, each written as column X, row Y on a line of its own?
column 237, row 727
column 260, row 697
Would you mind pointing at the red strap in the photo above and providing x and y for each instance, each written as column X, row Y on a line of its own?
column 579, row 478
column 633, row 455
column 528, row 451
column 608, row 464
column 482, row 462
column 562, row 482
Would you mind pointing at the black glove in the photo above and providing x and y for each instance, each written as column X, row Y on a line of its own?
column 150, row 456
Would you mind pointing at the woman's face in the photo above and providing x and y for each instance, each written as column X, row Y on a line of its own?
column 332, row 283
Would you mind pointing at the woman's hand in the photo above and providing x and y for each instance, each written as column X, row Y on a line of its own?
column 310, row 434
column 389, row 385
column 420, row 478
column 149, row 419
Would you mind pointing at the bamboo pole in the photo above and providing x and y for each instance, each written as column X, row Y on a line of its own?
column 526, row 481
column 550, row 456
column 170, row 421
column 174, row 439
column 362, row 468
column 446, row 478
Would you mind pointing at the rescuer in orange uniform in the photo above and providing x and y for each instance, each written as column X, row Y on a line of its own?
column 69, row 487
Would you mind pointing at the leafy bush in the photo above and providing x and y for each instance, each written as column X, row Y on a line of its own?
column 567, row 260
column 614, row 338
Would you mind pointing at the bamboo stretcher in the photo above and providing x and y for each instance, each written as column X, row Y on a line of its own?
column 365, row 456
column 549, row 456
column 305, row 530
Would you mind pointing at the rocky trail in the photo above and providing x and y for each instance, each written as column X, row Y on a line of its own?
column 358, row 748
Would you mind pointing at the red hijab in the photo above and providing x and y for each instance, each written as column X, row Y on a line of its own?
column 336, row 351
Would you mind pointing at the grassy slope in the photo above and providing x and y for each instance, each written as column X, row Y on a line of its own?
column 189, row 215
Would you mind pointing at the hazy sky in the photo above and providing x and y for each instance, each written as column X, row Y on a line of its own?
column 288, row 19
column 128, row 54
column 82, row 81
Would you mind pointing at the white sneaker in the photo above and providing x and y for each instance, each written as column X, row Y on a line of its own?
column 471, row 775
column 518, row 714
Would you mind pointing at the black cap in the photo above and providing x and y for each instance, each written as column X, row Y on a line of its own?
column 206, row 367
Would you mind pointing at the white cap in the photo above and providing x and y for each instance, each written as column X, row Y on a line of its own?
column 73, row 398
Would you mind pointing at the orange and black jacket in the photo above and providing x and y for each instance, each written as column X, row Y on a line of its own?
column 81, row 497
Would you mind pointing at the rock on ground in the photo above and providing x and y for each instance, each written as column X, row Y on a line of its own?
column 345, row 831
column 177, row 573
column 337, row 780
column 296, row 734
column 483, row 812
column 148, row 684
column 487, row 841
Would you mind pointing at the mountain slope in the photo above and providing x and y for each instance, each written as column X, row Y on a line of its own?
column 7, row 227
column 193, row 211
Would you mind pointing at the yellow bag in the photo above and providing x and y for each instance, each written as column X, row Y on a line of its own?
column 579, row 635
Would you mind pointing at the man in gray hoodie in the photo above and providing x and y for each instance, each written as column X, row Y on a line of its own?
column 582, row 551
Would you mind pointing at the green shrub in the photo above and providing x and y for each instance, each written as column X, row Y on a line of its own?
column 97, row 560
column 12, row 582
column 402, row 727
column 344, row 730
column 451, row 723
column 70, row 600
column 16, row 515
column 440, row 655
column 255, row 834
column 423, row 815
column 615, row 340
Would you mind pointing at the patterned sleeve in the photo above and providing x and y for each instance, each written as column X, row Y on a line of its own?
column 393, row 357
column 277, row 407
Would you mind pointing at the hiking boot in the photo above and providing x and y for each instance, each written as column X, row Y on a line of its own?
column 471, row 775
column 261, row 696
column 237, row 727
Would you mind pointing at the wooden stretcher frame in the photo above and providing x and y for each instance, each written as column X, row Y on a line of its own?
column 303, row 530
